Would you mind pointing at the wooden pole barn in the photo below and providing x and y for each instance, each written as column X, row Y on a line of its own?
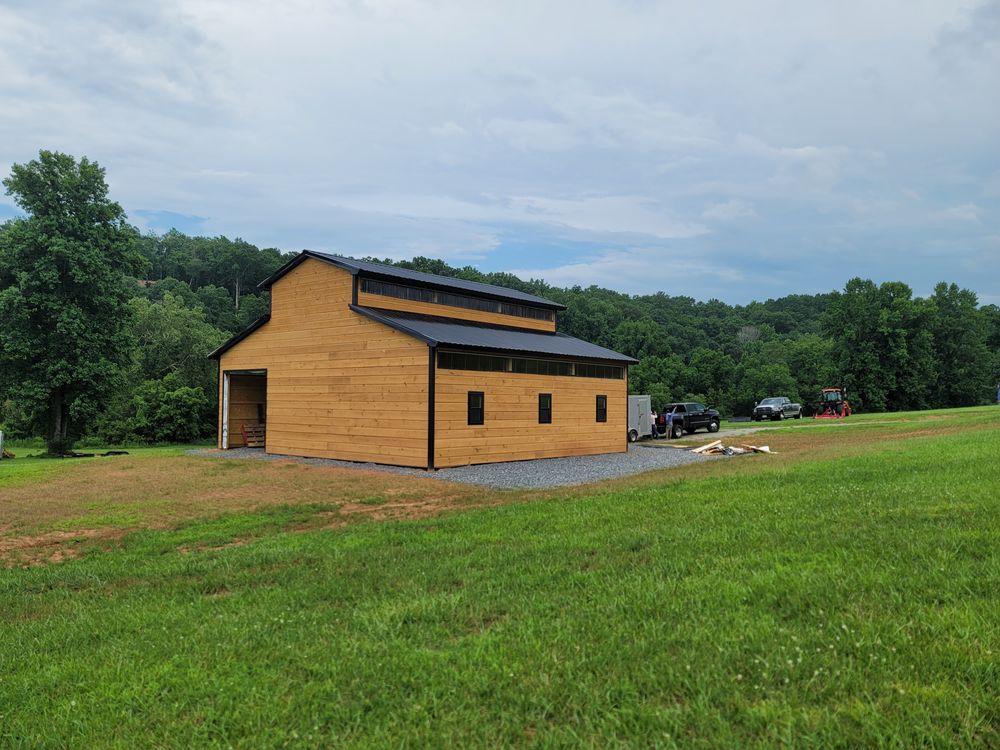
column 366, row 362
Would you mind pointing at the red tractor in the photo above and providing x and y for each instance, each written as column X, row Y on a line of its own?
column 833, row 404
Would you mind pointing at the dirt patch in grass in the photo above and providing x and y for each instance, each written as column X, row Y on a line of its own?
column 57, row 517
column 101, row 500
column 422, row 507
column 50, row 547
column 187, row 549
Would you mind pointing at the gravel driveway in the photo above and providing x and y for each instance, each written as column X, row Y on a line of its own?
column 537, row 474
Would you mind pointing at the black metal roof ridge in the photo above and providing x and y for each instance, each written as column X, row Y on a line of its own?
column 521, row 341
column 379, row 318
column 419, row 278
column 239, row 336
column 404, row 314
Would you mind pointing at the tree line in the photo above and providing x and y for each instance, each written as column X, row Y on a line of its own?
column 105, row 331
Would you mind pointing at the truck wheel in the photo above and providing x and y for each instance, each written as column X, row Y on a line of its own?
column 676, row 431
column 799, row 415
column 633, row 435
column 713, row 426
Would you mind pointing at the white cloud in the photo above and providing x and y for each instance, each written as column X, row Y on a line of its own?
column 674, row 270
column 465, row 129
column 731, row 210
column 615, row 214
column 531, row 134
column 965, row 212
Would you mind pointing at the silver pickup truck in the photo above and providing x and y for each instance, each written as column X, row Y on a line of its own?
column 775, row 408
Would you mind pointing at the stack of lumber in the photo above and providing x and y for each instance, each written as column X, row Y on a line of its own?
column 716, row 448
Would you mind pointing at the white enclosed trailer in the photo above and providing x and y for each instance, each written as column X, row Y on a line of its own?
column 640, row 424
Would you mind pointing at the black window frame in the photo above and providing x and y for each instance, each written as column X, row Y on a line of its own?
column 474, row 419
column 544, row 412
column 602, row 407
column 473, row 361
column 455, row 299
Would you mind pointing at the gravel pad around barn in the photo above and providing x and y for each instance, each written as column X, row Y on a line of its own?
column 536, row 474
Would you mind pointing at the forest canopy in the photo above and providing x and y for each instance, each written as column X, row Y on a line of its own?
column 173, row 298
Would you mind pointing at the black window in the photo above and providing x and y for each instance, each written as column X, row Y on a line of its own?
column 602, row 408
column 402, row 291
column 491, row 363
column 544, row 408
column 477, row 407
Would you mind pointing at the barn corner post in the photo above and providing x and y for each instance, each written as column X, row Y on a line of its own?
column 626, row 408
column 431, row 377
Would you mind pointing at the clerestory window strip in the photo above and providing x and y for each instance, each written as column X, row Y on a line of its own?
column 468, row 302
column 528, row 366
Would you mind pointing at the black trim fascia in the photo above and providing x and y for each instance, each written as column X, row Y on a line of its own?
column 537, row 355
column 461, row 321
column 431, row 378
column 394, row 323
column 304, row 255
column 369, row 313
column 444, row 287
column 354, row 289
column 240, row 336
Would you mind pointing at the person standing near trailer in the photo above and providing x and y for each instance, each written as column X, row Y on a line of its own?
column 670, row 422
column 652, row 424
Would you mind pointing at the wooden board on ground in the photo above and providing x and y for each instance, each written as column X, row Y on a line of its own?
column 707, row 447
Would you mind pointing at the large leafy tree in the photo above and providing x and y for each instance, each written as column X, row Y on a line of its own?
column 63, row 293
column 960, row 336
column 883, row 345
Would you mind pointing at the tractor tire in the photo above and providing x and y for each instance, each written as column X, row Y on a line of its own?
column 676, row 431
column 633, row 435
column 713, row 426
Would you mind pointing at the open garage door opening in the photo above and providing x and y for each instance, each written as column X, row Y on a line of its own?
column 244, row 409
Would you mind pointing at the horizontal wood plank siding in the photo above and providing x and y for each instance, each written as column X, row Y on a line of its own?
column 338, row 384
column 457, row 313
column 511, row 431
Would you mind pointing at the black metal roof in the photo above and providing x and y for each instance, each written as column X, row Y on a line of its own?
column 466, row 335
column 418, row 278
column 239, row 337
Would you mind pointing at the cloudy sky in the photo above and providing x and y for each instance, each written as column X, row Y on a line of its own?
column 718, row 149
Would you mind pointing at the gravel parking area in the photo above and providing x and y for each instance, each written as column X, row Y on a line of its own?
column 538, row 474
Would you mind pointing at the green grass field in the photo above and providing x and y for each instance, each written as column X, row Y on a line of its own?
column 842, row 593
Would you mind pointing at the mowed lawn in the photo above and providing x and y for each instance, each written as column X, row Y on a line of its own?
column 844, row 592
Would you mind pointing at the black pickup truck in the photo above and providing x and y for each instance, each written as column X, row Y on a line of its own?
column 686, row 417
column 776, row 407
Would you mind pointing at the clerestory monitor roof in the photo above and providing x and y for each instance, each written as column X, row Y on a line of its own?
column 416, row 278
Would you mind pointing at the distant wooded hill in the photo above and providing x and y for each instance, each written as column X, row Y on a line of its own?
column 891, row 350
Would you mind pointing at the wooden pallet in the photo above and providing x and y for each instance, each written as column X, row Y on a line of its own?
column 253, row 435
